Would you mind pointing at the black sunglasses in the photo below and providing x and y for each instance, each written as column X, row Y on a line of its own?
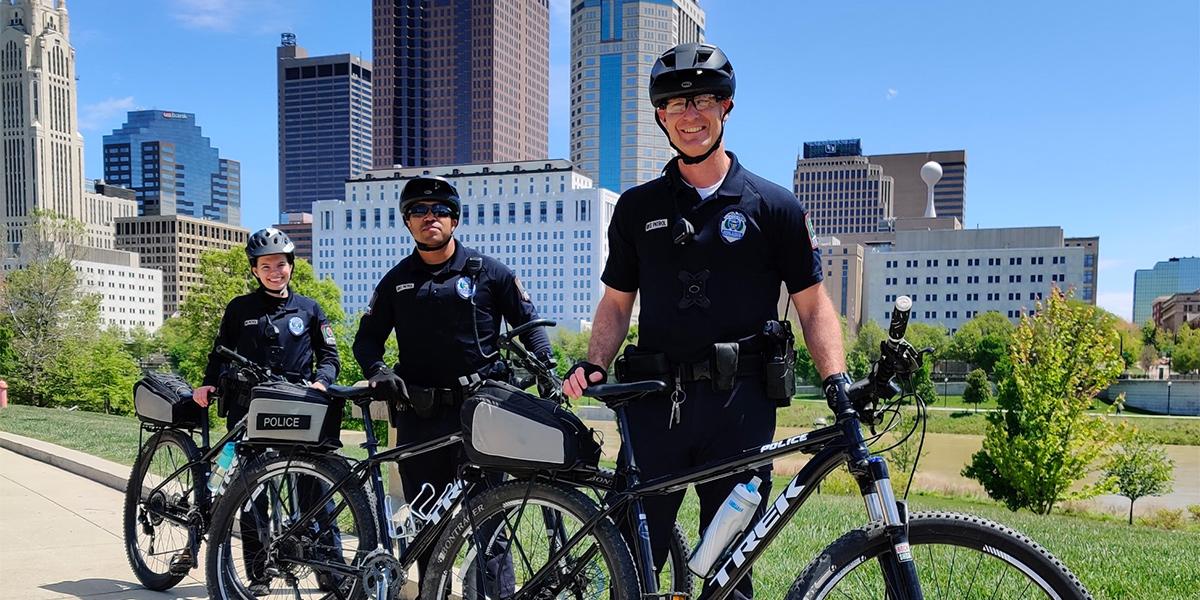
column 420, row 210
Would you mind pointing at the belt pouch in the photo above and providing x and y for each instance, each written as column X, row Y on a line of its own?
column 636, row 364
column 724, row 365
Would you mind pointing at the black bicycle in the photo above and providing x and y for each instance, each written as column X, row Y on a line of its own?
column 167, row 499
column 350, row 543
column 962, row 556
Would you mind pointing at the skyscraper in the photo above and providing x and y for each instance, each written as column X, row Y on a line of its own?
column 1168, row 277
column 460, row 81
column 164, row 157
column 324, row 124
column 950, row 193
column 614, row 44
column 843, row 192
column 41, row 151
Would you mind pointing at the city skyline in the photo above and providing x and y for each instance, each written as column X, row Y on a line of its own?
column 1057, row 126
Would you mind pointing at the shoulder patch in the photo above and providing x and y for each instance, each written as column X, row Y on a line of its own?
column 520, row 288
column 327, row 332
column 656, row 224
column 812, row 232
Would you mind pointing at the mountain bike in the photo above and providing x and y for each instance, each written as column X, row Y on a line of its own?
column 167, row 501
column 377, row 543
column 961, row 556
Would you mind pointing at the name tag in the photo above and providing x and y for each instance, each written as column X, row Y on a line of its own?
column 269, row 422
column 249, row 322
column 405, row 286
column 656, row 224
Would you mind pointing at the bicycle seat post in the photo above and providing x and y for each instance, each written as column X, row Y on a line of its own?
column 644, row 552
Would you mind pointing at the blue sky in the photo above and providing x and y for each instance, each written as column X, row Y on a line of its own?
column 1082, row 115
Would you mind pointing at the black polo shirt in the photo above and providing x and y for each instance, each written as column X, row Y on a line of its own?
column 751, row 235
column 430, row 309
column 290, row 335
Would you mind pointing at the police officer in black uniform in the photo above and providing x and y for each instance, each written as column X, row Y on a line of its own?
column 445, row 302
column 707, row 245
column 275, row 327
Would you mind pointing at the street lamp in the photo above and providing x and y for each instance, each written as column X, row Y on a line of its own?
column 1168, row 397
column 946, row 389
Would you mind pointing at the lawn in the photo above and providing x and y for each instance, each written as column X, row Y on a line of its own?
column 1114, row 560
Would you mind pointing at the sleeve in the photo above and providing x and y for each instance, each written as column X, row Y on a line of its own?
column 324, row 346
column 227, row 335
column 518, row 309
column 373, row 329
column 793, row 245
column 621, row 268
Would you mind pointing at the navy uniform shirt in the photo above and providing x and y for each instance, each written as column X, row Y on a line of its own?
column 751, row 235
column 303, row 349
column 430, row 308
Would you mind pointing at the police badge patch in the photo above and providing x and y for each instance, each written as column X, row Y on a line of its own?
column 296, row 325
column 327, row 331
column 465, row 287
column 733, row 226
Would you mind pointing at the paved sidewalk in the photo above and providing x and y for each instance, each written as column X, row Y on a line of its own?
column 60, row 537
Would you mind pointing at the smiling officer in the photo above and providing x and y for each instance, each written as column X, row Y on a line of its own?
column 707, row 245
column 445, row 302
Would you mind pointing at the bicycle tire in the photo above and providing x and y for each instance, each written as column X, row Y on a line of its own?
column 845, row 569
column 152, row 565
column 357, row 531
column 681, row 581
column 493, row 517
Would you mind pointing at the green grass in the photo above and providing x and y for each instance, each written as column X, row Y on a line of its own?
column 804, row 412
column 1114, row 560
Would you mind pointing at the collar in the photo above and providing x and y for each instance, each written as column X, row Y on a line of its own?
column 732, row 186
column 274, row 302
column 457, row 262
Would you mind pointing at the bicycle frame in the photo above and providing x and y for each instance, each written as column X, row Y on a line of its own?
column 207, row 456
column 834, row 445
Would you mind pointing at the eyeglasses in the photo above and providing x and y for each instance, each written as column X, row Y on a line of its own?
column 440, row 211
column 702, row 102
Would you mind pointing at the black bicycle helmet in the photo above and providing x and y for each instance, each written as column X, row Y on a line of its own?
column 266, row 242
column 691, row 69
column 427, row 188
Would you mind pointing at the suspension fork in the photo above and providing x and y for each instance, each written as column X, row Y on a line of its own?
column 898, row 568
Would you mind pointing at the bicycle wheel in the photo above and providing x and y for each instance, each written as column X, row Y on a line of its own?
column 156, row 525
column 248, row 557
column 519, row 526
column 958, row 556
column 675, row 576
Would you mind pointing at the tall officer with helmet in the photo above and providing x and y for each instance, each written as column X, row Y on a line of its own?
column 279, row 329
column 707, row 245
column 445, row 302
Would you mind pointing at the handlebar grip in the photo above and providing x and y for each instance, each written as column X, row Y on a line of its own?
column 516, row 331
column 224, row 352
column 900, row 318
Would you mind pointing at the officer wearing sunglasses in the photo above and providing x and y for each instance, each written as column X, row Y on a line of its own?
column 445, row 303
column 707, row 246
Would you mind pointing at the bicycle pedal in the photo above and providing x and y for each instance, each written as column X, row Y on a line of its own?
column 666, row 596
column 182, row 563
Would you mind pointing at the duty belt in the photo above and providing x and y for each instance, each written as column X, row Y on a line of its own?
column 748, row 364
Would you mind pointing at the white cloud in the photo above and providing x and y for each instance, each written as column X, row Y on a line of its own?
column 100, row 114
column 1119, row 303
column 891, row 93
column 230, row 15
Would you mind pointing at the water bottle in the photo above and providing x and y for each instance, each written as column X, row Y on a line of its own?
column 221, row 467
column 733, row 516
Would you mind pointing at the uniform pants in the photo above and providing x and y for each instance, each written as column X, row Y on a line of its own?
column 439, row 468
column 713, row 426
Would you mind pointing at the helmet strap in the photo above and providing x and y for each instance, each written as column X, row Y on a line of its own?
column 695, row 160
column 432, row 248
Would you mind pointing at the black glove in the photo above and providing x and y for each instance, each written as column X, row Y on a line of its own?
column 835, row 387
column 390, row 388
column 588, row 369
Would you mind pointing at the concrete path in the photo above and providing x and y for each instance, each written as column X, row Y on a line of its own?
column 60, row 537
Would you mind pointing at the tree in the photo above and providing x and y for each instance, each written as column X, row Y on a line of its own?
column 982, row 341
column 1137, row 468
column 44, row 311
column 864, row 349
column 226, row 274
column 978, row 389
column 1185, row 357
column 921, row 336
column 569, row 348
column 1042, row 442
column 805, row 368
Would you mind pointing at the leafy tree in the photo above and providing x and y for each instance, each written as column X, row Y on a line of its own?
column 141, row 344
column 100, row 375
column 569, row 348
column 351, row 373
column 1138, row 468
column 924, row 335
column 978, row 389
column 982, row 341
column 226, row 274
column 1042, row 442
column 805, row 368
column 1147, row 357
column 864, row 349
column 44, row 311
column 1186, row 355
